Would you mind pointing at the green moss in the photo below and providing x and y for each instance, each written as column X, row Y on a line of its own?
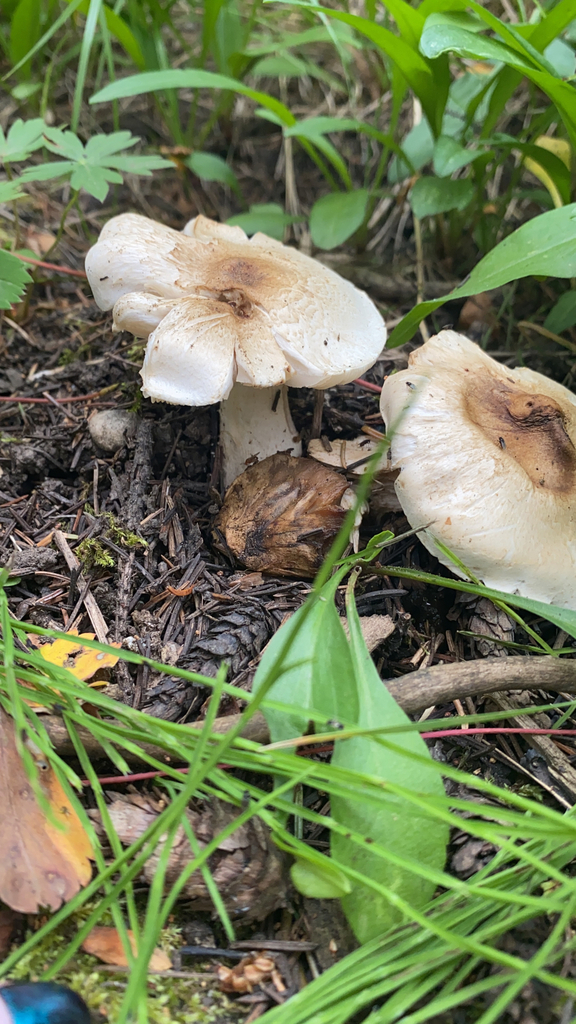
column 169, row 1000
column 93, row 554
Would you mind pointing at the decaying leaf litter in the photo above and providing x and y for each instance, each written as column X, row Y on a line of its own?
column 121, row 543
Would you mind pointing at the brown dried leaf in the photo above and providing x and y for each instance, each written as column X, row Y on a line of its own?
column 105, row 943
column 282, row 515
column 478, row 309
column 40, row 865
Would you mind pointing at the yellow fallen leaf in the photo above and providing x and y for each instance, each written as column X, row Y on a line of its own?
column 83, row 662
column 561, row 149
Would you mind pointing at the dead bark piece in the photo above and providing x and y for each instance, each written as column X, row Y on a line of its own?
column 248, row 869
column 282, row 515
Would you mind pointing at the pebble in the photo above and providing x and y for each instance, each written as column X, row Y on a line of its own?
column 111, row 428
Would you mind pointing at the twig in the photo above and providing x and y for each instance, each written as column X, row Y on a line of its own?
column 59, row 401
column 90, row 604
column 51, row 266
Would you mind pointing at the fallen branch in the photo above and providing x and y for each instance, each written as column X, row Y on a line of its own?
column 437, row 685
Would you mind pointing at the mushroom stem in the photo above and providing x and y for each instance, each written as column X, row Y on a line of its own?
column 255, row 423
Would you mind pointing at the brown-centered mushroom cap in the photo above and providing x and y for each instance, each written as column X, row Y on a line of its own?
column 218, row 307
column 487, row 456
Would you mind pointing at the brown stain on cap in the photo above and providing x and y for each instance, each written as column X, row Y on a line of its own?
column 531, row 428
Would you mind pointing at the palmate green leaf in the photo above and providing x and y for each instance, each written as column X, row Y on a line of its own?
column 10, row 190
column 542, row 246
column 13, row 279
column 336, row 217
column 22, row 139
column 95, row 166
column 430, row 196
column 402, row 828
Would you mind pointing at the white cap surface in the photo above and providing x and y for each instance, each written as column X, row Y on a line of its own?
column 218, row 307
column 487, row 456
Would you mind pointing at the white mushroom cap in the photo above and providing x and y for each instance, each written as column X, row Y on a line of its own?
column 218, row 307
column 487, row 457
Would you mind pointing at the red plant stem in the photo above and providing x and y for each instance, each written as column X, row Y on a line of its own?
column 51, row 266
column 481, row 731
column 46, row 401
column 368, row 385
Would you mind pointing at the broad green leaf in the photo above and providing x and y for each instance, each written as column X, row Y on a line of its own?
column 285, row 64
column 430, row 196
column 23, row 138
column 210, row 167
column 317, row 671
column 450, row 156
column 563, row 313
column 542, row 246
column 400, row 827
column 269, row 218
column 440, row 37
column 14, row 277
column 24, row 33
column 429, row 83
column 288, row 40
column 561, row 56
column 155, row 81
column 417, row 149
column 336, row 217
column 319, row 881
column 442, row 33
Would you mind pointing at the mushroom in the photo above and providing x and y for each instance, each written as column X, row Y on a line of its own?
column 487, row 465
column 225, row 315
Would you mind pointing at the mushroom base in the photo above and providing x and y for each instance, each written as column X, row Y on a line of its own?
column 255, row 423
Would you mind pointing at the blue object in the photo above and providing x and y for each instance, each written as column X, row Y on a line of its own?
column 43, row 1002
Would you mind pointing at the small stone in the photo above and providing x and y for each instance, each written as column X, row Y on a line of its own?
column 111, row 428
